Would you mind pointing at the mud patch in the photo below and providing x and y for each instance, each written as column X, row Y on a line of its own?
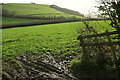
column 37, row 67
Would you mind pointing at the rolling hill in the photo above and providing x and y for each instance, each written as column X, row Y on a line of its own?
column 68, row 11
column 34, row 10
column 21, row 14
column 28, row 9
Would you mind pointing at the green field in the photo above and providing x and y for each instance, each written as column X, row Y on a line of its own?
column 47, row 49
column 58, row 39
column 37, row 10
column 12, row 20
column 38, row 39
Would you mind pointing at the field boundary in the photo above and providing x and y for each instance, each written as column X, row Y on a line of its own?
column 54, row 21
column 109, row 43
column 96, row 43
column 99, row 35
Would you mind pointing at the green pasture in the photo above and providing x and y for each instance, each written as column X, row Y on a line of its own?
column 13, row 20
column 59, row 40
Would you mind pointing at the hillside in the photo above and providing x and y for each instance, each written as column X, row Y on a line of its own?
column 28, row 9
column 68, row 11
column 34, row 10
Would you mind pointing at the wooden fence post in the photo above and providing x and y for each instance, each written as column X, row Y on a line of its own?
column 112, row 49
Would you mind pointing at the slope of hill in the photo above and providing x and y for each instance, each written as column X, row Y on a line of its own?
column 34, row 10
column 27, row 9
column 68, row 11
column 17, row 14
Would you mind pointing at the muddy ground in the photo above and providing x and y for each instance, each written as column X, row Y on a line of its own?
column 36, row 67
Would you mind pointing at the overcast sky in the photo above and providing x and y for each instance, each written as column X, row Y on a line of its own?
column 83, row 6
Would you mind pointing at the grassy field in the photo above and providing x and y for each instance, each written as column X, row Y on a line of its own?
column 12, row 20
column 23, row 48
column 37, row 10
column 58, row 39
column 38, row 39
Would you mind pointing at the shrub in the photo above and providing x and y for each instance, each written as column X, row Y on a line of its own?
column 81, row 65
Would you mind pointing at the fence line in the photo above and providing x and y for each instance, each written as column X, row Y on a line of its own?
column 108, row 43
column 98, row 35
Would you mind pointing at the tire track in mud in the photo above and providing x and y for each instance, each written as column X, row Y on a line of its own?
column 35, row 67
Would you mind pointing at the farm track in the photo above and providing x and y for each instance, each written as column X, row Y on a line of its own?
column 35, row 67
